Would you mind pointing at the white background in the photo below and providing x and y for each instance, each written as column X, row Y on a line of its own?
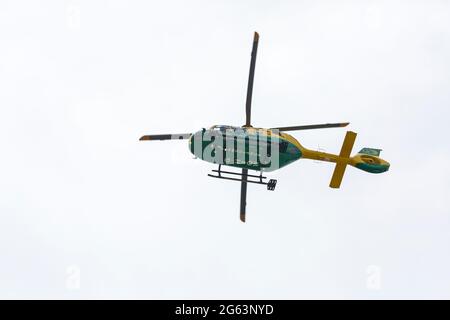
column 88, row 211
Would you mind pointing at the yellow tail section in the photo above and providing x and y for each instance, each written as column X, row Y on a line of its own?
column 343, row 159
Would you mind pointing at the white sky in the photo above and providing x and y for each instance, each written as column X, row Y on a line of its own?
column 87, row 211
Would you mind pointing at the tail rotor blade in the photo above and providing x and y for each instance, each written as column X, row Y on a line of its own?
column 313, row 126
column 248, row 104
column 243, row 194
column 171, row 136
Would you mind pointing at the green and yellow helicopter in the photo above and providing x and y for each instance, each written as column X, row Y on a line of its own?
column 266, row 150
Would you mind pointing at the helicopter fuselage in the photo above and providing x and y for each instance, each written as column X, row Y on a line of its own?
column 245, row 147
column 266, row 150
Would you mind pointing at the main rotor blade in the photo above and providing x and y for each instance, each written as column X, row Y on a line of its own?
column 248, row 104
column 243, row 193
column 312, row 126
column 172, row 136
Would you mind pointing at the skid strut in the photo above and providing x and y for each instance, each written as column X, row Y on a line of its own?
column 250, row 178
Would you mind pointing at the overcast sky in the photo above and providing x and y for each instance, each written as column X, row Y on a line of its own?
column 88, row 211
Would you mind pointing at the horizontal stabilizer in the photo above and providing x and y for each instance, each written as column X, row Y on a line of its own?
column 342, row 161
column 338, row 174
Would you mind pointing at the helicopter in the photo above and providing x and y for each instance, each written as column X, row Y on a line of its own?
column 268, row 149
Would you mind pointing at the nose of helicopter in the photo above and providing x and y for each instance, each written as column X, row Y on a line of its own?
column 196, row 138
column 191, row 143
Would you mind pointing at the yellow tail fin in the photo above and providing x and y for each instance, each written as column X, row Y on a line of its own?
column 342, row 161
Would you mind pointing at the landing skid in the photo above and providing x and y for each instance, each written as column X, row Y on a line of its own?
column 220, row 174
